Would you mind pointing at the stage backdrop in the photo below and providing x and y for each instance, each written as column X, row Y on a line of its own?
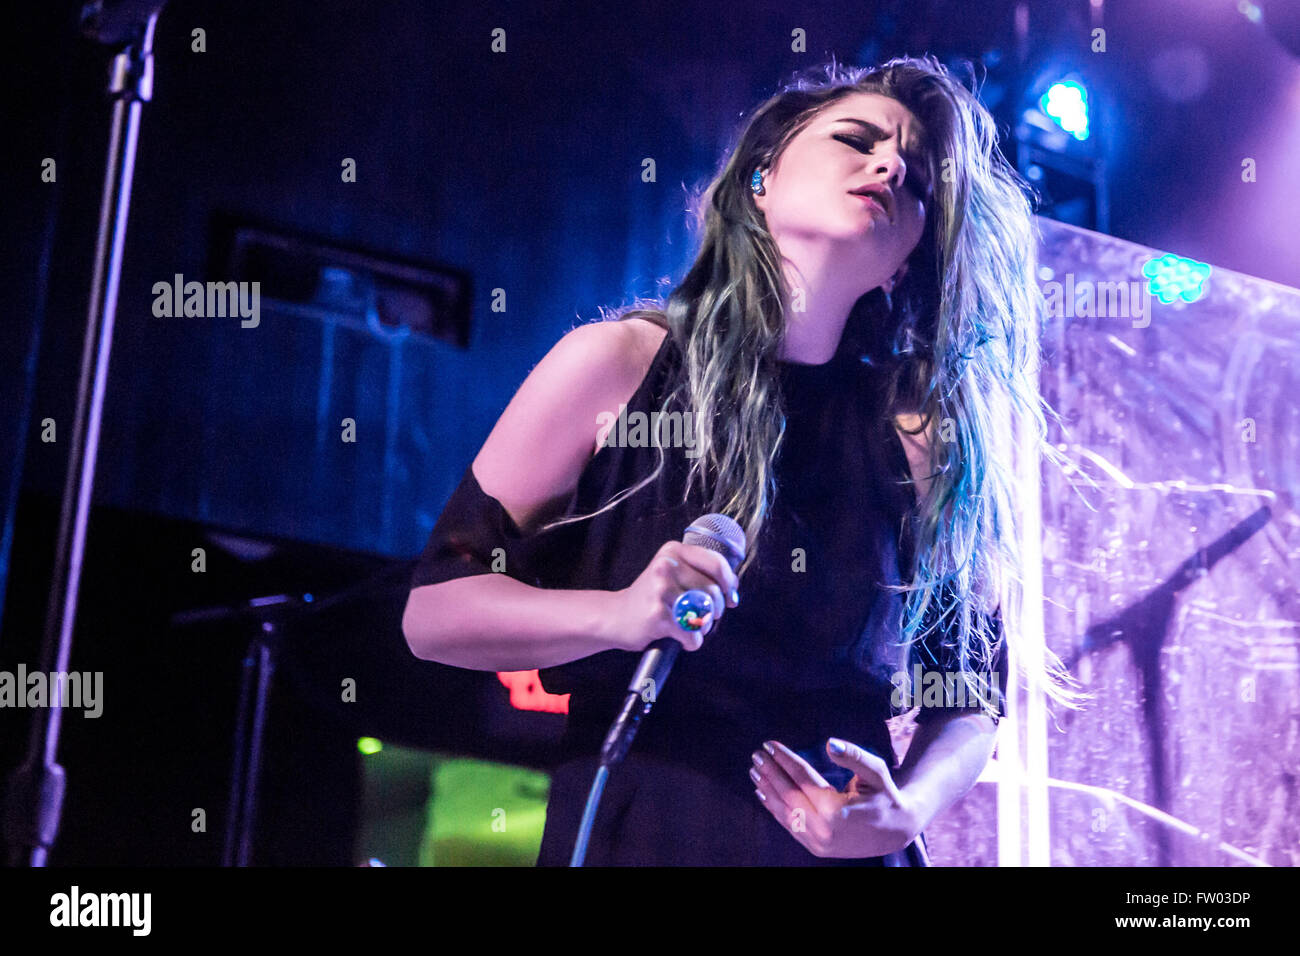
column 1170, row 587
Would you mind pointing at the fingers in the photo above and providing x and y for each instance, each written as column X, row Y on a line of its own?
column 867, row 780
column 686, row 577
column 796, row 794
column 714, row 566
column 682, row 567
column 789, row 805
column 798, row 771
column 861, row 823
column 679, row 578
column 870, row 773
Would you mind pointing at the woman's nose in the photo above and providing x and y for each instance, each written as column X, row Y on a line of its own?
column 893, row 167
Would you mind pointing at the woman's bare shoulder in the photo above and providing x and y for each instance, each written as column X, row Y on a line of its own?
column 645, row 337
column 619, row 352
column 548, row 432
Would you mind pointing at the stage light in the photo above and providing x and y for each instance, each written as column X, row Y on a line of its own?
column 369, row 745
column 1171, row 277
column 1279, row 18
column 1067, row 103
column 1059, row 148
column 1056, row 111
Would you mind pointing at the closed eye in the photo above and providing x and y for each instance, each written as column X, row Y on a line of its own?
column 857, row 142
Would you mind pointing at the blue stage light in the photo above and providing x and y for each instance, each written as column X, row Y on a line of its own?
column 1067, row 104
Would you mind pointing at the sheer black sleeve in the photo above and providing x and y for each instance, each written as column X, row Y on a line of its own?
column 941, row 690
column 476, row 535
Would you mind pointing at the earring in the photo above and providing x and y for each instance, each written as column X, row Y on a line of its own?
column 756, row 183
column 888, row 289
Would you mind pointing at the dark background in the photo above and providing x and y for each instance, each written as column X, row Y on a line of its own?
column 521, row 171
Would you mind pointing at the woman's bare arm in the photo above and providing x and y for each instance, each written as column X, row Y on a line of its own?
column 945, row 758
column 531, row 462
column 492, row 622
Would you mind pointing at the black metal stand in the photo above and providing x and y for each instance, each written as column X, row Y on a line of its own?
column 274, row 616
column 35, row 789
column 246, row 761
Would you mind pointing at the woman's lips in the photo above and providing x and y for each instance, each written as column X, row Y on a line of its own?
column 873, row 201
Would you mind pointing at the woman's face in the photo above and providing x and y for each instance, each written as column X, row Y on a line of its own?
column 862, row 140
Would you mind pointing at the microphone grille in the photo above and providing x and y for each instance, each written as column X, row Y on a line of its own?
column 718, row 533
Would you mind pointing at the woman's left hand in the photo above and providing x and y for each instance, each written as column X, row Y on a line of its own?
column 872, row 817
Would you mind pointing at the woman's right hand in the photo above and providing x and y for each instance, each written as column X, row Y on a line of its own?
column 645, row 608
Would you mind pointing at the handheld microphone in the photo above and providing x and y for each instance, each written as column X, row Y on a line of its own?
column 718, row 533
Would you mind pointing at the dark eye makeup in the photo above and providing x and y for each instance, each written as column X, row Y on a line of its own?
column 914, row 181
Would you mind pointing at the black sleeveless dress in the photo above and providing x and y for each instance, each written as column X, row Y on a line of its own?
column 808, row 653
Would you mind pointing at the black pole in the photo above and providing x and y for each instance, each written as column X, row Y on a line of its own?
column 35, row 789
column 250, row 736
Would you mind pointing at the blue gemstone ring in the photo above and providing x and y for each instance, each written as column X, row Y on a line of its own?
column 693, row 610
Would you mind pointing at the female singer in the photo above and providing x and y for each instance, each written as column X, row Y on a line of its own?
column 848, row 354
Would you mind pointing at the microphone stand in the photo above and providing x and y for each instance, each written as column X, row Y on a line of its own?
column 273, row 615
column 646, row 683
column 35, row 790
column 256, row 672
